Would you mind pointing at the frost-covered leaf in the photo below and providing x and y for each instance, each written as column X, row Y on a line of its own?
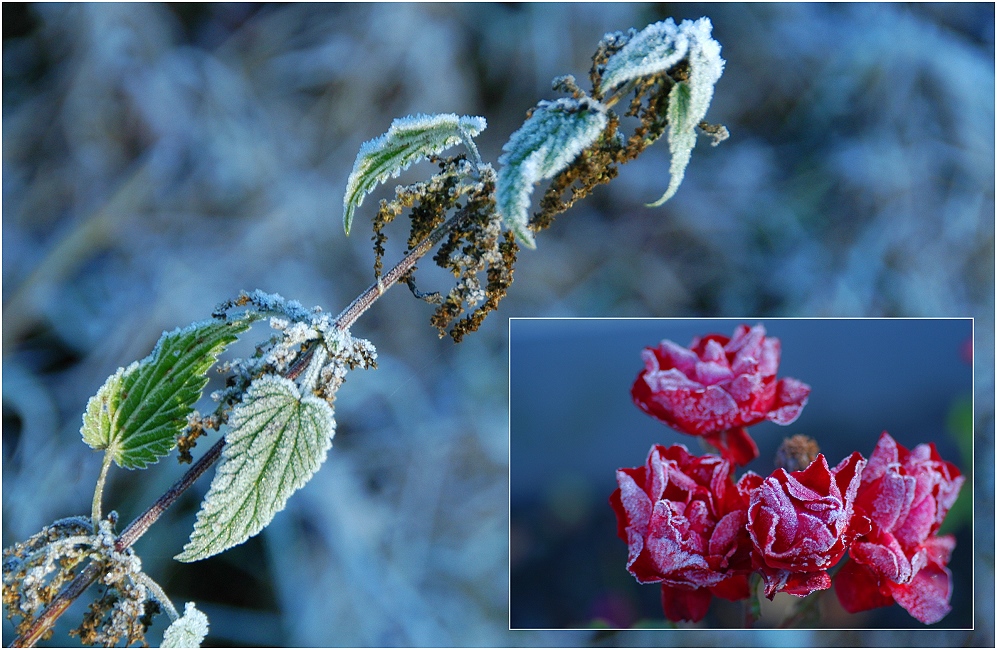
column 188, row 631
column 655, row 49
column 548, row 142
column 689, row 100
column 138, row 412
column 278, row 438
column 407, row 141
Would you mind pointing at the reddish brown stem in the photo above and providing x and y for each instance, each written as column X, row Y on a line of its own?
column 143, row 522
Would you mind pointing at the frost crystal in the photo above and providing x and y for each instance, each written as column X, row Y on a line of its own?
column 547, row 143
column 408, row 140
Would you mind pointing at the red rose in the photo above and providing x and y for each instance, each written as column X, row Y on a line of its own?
column 902, row 500
column 798, row 523
column 683, row 519
column 719, row 386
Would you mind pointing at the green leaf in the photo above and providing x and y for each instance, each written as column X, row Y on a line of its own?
column 407, row 141
column 546, row 144
column 689, row 100
column 138, row 412
column 278, row 440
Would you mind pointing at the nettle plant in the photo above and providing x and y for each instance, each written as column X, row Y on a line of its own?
column 276, row 412
column 699, row 533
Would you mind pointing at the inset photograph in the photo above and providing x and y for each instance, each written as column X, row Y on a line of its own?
column 758, row 473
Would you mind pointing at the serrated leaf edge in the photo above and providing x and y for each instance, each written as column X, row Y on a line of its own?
column 116, row 403
column 204, row 539
column 428, row 135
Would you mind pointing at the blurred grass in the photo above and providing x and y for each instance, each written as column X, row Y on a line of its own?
column 158, row 158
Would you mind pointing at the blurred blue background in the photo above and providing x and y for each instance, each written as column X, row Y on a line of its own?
column 572, row 424
column 158, row 158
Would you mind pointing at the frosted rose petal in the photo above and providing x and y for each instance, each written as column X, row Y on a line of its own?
column 926, row 597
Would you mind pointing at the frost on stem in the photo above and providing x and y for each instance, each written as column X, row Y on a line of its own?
column 35, row 571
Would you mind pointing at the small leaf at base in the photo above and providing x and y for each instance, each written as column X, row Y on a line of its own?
column 188, row 631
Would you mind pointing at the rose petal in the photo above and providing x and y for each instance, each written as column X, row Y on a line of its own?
column 926, row 597
column 685, row 604
column 885, row 558
column 733, row 588
column 858, row 588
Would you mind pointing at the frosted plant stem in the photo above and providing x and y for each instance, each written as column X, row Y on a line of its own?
column 57, row 607
column 98, row 493
column 159, row 595
column 143, row 522
column 364, row 301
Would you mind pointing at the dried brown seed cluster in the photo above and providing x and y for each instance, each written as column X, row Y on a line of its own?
column 796, row 453
column 197, row 426
column 36, row 569
column 475, row 245
column 599, row 163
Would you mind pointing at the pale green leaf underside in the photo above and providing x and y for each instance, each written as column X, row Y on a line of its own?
column 407, row 141
column 278, row 439
column 138, row 412
column 188, row 631
column 546, row 144
column 689, row 100
column 681, row 138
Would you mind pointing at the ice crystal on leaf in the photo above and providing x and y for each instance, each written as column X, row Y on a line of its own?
column 660, row 48
column 548, row 142
column 656, row 48
column 408, row 140
column 188, row 631
column 140, row 409
column 689, row 100
column 278, row 439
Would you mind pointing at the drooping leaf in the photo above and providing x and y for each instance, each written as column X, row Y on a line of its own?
column 278, row 439
column 188, row 631
column 407, row 141
column 656, row 48
column 138, row 412
column 689, row 100
column 547, row 143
